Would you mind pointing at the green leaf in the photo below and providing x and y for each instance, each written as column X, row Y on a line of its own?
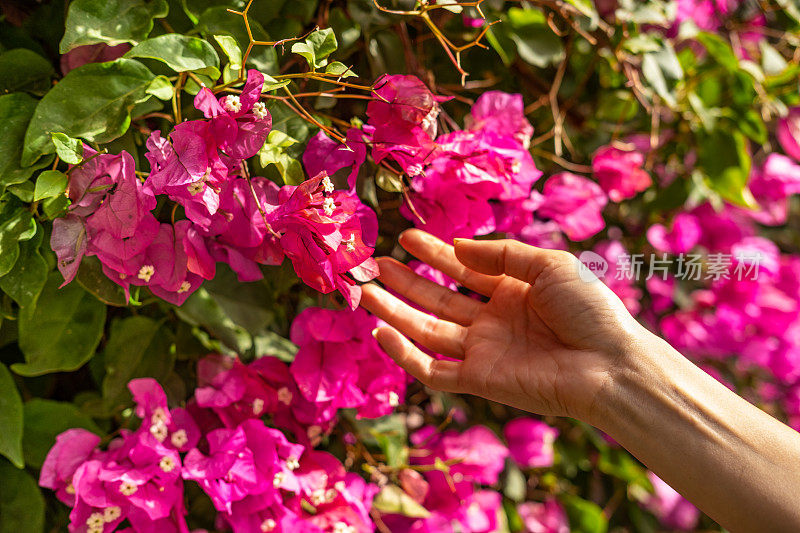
column 92, row 102
column 515, row 485
column 317, row 47
column 231, row 49
column 23, row 191
column 181, row 53
column 274, row 153
column 536, row 42
column 271, row 344
column 584, row 516
column 388, row 433
column 724, row 159
column 271, row 84
column 24, row 282
column 21, row 501
column 137, row 347
column 62, row 332
column 10, row 419
column 217, row 21
column 161, row 88
column 719, row 49
column 16, row 225
column 394, row 500
column 68, row 149
column 24, row 70
column 92, row 278
column 16, row 111
column 44, row 421
column 200, row 309
column 339, row 69
column 110, row 21
column 388, row 180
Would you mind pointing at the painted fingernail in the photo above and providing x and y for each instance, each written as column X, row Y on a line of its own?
column 375, row 332
column 458, row 240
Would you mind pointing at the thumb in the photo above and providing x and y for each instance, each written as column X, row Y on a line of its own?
column 509, row 257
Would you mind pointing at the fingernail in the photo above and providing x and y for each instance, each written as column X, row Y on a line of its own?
column 375, row 332
column 458, row 240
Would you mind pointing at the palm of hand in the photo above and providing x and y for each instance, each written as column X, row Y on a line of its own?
column 529, row 355
column 545, row 346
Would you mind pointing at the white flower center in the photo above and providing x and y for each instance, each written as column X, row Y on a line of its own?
column 146, row 272
column 268, row 525
column 341, row 527
column 328, row 206
column 258, row 406
column 327, row 184
column 159, row 416
column 516, row 166
column 232, row 104
column 159, row 431
column 277, row 480
column 394, row 399
column 167, row 464
column 127, row 488
column 185, row 286
column 111, row 513
column 95, row 521
column 70, row 488
column 179, row 438
column 195, row 187
column 292, row 463
column 260, row 110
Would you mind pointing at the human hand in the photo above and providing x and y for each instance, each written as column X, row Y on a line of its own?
column 547, row 341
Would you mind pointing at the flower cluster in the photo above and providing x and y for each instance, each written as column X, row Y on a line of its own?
column 754, row 320
column 338, row 365
column 458, row 466
column 328, row 235
column 256, row 479
column 478, row 180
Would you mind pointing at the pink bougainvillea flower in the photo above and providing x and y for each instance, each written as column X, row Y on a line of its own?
column 72, row 448
column 620, row 172
column 404, row 99
column 189, row 170
column 91, row 53
column 105, row 189
column 622, row 274
column 771, row 185
column 788, row 133
column 323, row 154
column 683, row 236
column 480, row 454
column 241, row 122
column 546, row 517
column 69, row 241
column 331, row 499
column 241, row 462
column 575, row 203
column 328, row 235
column 502, row 113
column 530, row 442
column 672, row 509
column 340, row 361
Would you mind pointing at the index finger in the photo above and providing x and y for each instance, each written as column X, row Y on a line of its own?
column 441, row 256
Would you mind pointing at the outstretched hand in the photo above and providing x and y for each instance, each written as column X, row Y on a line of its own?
column 546, row 341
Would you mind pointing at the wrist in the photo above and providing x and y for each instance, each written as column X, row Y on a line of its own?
column 642, row 366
